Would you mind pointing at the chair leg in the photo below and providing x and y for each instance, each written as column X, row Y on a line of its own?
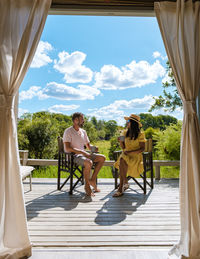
column 145, row 182
column 71, row 180
column 152, row 178
column 30, row 179
column 151, row 172
column 116, row 176
column 58, row 183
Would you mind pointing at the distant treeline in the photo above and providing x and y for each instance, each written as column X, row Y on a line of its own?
column 38, row 132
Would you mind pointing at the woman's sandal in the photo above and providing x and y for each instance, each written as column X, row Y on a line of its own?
column 126, row 186
column 117, row 194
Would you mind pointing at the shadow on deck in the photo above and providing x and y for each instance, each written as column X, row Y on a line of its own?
column 57, row 219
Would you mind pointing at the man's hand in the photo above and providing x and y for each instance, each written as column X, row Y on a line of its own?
column 86, row 154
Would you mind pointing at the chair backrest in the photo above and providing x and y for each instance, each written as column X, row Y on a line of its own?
column 60, row 145
column 148, row 145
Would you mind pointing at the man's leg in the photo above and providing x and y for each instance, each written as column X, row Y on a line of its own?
column 99, row 160
column 86, row 172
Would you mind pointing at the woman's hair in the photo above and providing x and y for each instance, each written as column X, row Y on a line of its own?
column 134, row 130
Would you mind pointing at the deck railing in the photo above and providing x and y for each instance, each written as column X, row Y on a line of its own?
column 47, row 162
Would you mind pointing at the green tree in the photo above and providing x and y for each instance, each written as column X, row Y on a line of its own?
column 159, row 121
column 149, row 132
column 90, row 129
column 114, row 146
column 101, row 134
column 110, row 129
column 168, row 142
column 170, row 99
column 42, row 135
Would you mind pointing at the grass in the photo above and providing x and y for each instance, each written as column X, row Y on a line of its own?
column 51, row 171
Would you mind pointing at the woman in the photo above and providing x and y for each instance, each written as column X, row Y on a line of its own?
column 130, row 161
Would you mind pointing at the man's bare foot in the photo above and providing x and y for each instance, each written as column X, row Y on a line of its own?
column 88, row 191
column 94, row 185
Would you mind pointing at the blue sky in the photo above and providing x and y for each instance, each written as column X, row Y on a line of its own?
column 102, row 66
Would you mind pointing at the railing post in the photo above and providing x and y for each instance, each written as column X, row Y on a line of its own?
column 24, row 156
column 157, row 173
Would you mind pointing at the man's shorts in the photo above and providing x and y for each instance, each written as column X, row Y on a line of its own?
column 80, row 159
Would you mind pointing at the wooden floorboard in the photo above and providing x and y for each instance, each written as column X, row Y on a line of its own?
column 99, row 254
column 57, row 219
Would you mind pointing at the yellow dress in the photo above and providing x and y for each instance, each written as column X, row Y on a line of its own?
column 134, row 161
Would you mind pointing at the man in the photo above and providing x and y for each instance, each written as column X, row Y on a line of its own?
column 74, row 139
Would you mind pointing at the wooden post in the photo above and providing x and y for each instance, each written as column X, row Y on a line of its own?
column 23, row 156
column 157, row 173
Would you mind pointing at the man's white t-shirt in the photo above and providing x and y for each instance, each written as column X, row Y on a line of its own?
column 76, row 138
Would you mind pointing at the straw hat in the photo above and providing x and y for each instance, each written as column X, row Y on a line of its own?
column 134, row 117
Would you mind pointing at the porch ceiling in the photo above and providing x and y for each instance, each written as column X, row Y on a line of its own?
column 103, row 7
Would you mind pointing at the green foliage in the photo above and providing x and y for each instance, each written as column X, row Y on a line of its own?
column 103, row 146
column 38, row 133
column 159, row 121
column 42, row 136
column 114, row 145
column 110, row 129
column 149, row 132
column 168, row 142
column 170, row 99
column 90, row 129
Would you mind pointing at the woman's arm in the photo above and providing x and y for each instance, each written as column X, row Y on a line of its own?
column 122, row 144
column 137, row 151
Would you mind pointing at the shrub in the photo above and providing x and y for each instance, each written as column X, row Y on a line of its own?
column 168, row 142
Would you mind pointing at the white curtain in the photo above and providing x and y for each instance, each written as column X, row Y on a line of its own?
column 179, row 24
column 21, row 25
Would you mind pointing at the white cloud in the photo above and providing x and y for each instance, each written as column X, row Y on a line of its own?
column 120, row 108
column 41, row 57
column 157, row 54
column 132, row 75
column 21, row 112
column 60, row 91
column 30, row 93
column 62, row 108
column 137, row 103
column 115, row 110
column 71, row 66
column 64, row 92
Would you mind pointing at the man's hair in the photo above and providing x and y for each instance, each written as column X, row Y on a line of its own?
column 76, row 115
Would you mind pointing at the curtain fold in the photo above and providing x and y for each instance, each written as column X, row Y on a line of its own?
column 179, row 24
column 21, row 25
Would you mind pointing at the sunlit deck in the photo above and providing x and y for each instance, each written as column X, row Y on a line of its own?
column 57, row 219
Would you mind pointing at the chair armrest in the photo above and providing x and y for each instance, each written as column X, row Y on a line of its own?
column 26, row 171
column 69, row 153
column 116, row 154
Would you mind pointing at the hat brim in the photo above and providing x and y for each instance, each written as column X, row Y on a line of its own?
column 129, row 118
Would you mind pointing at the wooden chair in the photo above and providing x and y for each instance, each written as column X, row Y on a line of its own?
column 66, row 164
column 25, row 171
column 148, row 167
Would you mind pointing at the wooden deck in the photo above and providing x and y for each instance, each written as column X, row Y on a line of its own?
column 57, row 219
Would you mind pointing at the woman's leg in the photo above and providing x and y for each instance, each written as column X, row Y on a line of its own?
column 123, row 167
